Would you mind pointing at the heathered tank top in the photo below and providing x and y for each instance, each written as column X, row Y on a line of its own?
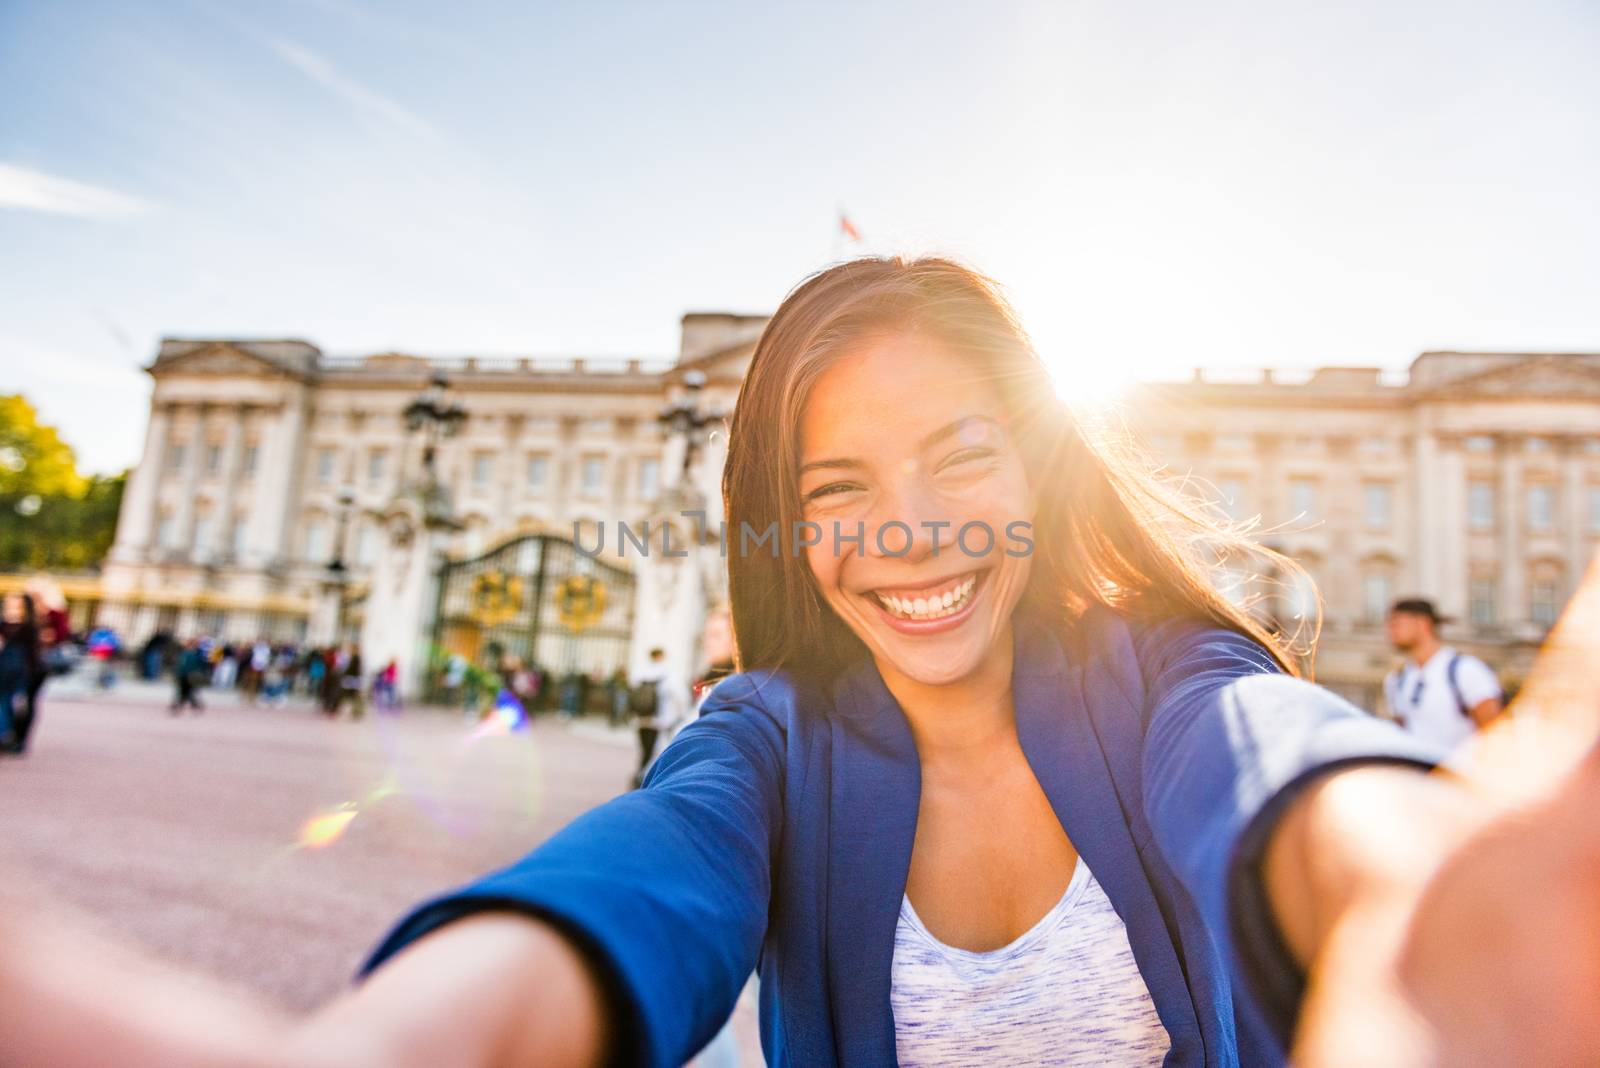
column 1067, row 992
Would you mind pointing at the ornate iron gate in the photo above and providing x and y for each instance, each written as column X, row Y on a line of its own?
column 538, row 599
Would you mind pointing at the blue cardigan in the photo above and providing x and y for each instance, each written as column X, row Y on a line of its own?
column 776, row 831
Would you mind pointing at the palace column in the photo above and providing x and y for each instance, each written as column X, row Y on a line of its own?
column 1450, row 528
column 1574, row 513
column 184, row 520
column 1513, row 595
column 235, row 417
column 136, row 517
column 276, row 500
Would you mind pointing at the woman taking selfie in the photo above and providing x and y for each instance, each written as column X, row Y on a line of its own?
column 1003, row 781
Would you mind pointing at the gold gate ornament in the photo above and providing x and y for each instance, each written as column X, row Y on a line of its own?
column 580, row 602
column 496, row 596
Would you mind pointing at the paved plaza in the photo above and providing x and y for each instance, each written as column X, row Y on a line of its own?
column 226, row 841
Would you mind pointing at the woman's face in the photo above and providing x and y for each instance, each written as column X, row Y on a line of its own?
column 906, row 443
column 12, row 609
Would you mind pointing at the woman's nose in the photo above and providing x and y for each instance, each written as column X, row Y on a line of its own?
column 908, row 523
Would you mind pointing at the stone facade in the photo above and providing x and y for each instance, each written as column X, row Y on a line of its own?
column 230, row 516
column 1474, row 479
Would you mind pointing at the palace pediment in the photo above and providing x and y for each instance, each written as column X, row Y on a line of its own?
column 1544, row 377
column 221, row 359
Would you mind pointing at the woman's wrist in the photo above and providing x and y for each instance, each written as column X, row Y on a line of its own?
column 1362, row 840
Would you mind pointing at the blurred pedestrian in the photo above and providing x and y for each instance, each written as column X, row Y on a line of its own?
column 658, row 700
column 55, row 631
column 617, row 697
column 189, row 674
column 103, row 646
column 386, row 687
column 351, row 685
column 226, row 672
column 20, row 665
column 316, row 671
column 1438, row 694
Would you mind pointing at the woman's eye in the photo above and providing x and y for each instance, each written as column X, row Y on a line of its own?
column 966, row 456
column 831, row 489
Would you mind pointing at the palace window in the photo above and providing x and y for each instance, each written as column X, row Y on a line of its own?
column 1481, row 602
column 1541, row 507
column 177, row 454
column 236, row 536
column 325, row 461
column 1376, row 505
column 167, row 531
column 482, row 470
column 1480, row 505
column 1302, row 498
column 538, row 474
column 205, row 528
column 377, row 466
column 649, row 478
column 213, row 460
column 1543, row 601
column 1478, row 443
column 247, row 465
column 366, row 545
column 1230, row 497
column 316, row 540
column 591, row 476
column 1375, row 596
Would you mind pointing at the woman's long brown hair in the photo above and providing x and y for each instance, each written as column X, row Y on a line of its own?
column 1107, row 531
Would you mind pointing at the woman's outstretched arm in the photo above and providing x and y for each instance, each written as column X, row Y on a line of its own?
column 1457, row 920
column 630, row 933
column 1397, row 917
column 495, row 989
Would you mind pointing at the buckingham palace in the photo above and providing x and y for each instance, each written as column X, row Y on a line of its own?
column 1472, row 478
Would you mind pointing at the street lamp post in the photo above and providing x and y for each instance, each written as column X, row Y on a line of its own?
column 436, row 418
column 397, row 605
column 338, row 573
column 671, row 593
column 686, row 420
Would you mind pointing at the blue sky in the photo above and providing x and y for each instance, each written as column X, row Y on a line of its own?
column 1159, row 186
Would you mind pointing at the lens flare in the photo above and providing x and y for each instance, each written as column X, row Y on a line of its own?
column 507, row 715
column 326, row 829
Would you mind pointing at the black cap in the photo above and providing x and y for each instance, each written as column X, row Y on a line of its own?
column 1418, row 606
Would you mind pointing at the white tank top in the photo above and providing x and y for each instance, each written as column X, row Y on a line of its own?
column 1067, row 992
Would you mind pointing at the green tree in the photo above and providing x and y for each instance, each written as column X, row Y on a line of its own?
column 33, row 458
column 51, row 516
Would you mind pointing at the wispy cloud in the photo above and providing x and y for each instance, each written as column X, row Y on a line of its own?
column 26, row 190
column 322, row 71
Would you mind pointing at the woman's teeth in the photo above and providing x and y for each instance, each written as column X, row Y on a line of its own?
column 930, row 606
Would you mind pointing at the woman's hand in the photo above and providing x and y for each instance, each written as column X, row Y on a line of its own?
column 1457, row 921
column 1490, row 958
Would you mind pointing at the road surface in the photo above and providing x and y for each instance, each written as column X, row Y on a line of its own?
column 226, row 841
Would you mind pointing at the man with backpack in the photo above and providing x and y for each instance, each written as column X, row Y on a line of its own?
column 657, row 700
column 1438, row 693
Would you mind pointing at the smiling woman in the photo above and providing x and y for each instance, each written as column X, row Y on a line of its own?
column 1047, row 799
